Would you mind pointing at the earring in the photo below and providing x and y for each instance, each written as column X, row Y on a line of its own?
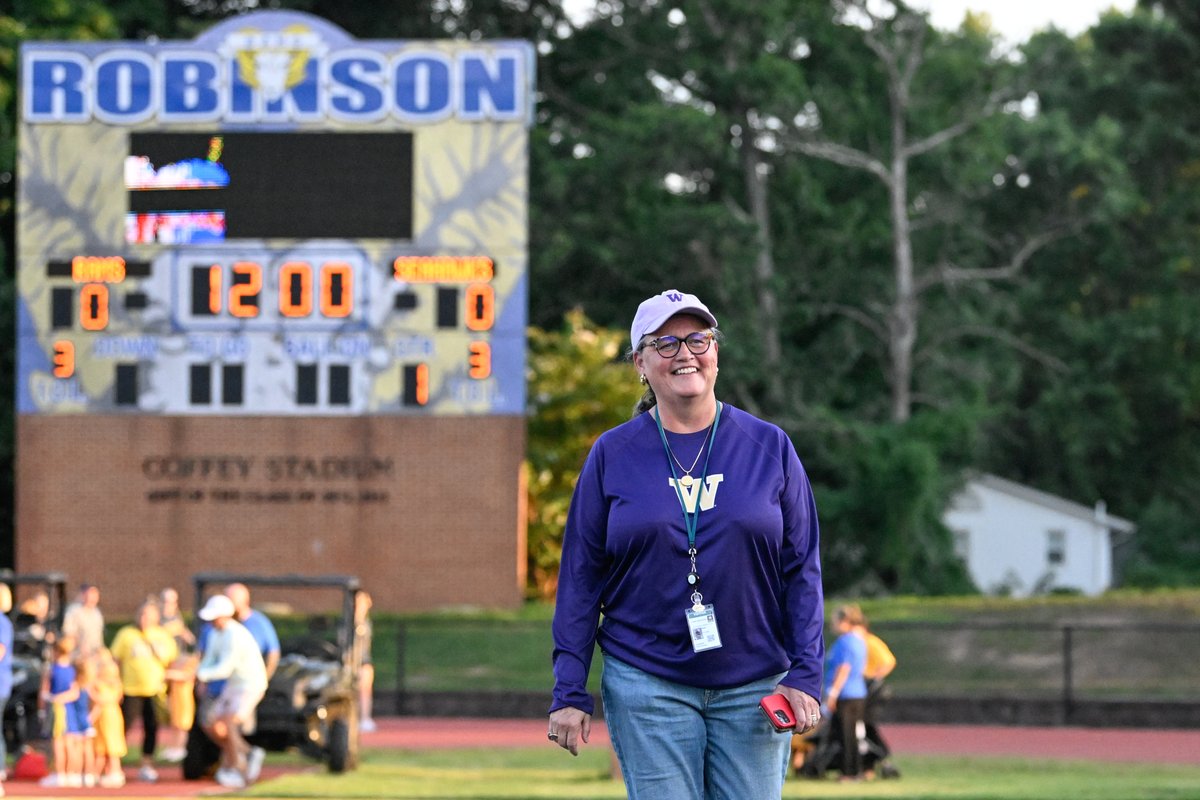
column 642, row 379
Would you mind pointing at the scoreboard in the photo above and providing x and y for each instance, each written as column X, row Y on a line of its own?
column 272, row 244
column 305, row 260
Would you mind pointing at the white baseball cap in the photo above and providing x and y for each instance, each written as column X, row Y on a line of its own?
column 217, row 606
column 656, row 310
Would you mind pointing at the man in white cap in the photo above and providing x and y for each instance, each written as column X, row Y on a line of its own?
column 232, row 655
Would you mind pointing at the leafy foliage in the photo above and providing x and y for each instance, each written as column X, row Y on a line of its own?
column 669, row 151
column 578, row 388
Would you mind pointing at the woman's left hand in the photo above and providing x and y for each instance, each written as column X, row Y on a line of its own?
column 568, row 727
column 806, row 708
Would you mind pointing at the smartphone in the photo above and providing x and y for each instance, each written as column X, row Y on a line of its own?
column 779, row 712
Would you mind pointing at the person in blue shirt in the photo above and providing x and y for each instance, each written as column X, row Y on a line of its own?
column 257, row 623
column 693, row 533
column 846, row 687
column 6, row 663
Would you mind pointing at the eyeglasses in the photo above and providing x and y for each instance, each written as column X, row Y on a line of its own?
column 668, row 346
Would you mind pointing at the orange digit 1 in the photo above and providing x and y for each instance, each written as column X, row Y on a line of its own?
column 416, row 384
column 93, row 306
column 64, row 358
column 480, row 360
column 214, row 289
column 481, row 307
column 337, row 289
column 295, row 289
column 243, row 294
column 422, row 384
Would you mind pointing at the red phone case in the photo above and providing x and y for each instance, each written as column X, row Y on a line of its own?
column 779, row 712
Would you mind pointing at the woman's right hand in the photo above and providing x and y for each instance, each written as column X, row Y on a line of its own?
column 568, row 727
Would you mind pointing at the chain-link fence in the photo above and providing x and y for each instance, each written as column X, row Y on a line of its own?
column 1066, row 662
column 962, row 668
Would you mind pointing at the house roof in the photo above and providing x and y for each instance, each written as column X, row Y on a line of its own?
column 1060, row 504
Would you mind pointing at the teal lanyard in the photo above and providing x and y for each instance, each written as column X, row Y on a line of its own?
column 691, row 521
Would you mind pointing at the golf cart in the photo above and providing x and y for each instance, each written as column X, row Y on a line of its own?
column 32, row 634
column 311, row 703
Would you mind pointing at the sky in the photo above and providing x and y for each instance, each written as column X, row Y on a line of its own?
column 1014, row 20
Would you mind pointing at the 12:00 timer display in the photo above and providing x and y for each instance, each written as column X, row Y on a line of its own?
column 310, row 330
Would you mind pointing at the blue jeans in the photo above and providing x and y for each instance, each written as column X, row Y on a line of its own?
column 3, row 750
column 678, row 742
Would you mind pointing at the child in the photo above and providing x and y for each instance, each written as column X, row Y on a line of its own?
column 85, row 678
column 107, row 720
column 60, row 690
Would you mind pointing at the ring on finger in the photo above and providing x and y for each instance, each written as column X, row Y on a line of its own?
column 552, row 736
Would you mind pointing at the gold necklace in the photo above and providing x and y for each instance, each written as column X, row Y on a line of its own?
column 687, row 479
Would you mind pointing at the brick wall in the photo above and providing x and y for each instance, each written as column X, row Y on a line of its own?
column 424, row 510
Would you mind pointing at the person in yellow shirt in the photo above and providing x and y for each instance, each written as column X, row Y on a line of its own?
column 880, row 663
column 144, row 650
column 107, row 720
column 181, row 679
column 880, row 659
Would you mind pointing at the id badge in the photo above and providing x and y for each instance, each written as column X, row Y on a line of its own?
column 702, row 625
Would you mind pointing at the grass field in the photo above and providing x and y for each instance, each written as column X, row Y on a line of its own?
column 508, row 774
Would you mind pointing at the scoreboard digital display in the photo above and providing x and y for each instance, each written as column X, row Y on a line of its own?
column 289, row 260
column 274, row 246
column 189, row 188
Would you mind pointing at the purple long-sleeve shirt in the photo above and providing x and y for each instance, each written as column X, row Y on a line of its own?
column 625, row 556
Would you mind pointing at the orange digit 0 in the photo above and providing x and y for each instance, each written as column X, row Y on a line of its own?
column 481, row 307
column 295, row 289
column 337, row 289
column 93, row 306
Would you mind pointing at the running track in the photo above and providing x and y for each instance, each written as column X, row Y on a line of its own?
column 1100, row 744
column 414, row 733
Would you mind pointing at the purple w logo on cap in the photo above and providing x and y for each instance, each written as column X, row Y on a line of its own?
column 656, row 310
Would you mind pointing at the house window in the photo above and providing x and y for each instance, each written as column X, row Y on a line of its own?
column 962, row 544
column 1056, row 548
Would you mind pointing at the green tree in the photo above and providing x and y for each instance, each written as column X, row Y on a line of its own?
column 677, row 158
column 1167, row 549
column 578, row 388
column 875, row 209
column 1121, row 306
column 881, row 512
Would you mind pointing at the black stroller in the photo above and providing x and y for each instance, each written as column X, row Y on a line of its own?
column 825, row 751
column 822, row 748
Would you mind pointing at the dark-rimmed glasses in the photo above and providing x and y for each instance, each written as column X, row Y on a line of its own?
column 668, row 346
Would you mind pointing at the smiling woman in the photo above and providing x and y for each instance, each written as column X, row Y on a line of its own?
column 693, row 527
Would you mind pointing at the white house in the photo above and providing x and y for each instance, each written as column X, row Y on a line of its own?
column 1021, row 541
